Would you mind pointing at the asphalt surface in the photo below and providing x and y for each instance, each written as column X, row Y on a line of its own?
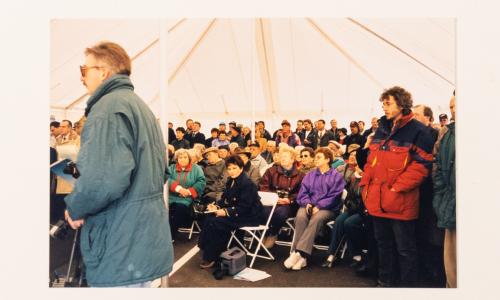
column 191, row 275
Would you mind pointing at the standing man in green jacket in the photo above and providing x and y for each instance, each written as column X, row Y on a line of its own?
column 118, row 198
column 444, row 201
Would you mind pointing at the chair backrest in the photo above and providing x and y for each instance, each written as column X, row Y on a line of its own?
column 344, row 195
column 269, row 199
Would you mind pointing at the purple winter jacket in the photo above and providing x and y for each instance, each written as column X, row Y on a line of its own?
column 322, row 190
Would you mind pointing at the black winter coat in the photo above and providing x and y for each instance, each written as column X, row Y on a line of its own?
column 241, row 201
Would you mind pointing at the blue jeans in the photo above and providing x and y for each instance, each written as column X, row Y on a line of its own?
column 355, row 234
column 344, row 223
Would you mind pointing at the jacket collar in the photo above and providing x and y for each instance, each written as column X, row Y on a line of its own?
column 317, row 172
column 117, row 81
column 293, row 172
column 237, row 180
column 388, row 124
column 178, row 167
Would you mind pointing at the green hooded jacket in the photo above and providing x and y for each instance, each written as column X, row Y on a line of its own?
column 122, row 161
column 444, row 201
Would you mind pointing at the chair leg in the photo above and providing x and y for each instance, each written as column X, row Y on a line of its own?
column 230, row 239
column 191, row 230
column 344, row 250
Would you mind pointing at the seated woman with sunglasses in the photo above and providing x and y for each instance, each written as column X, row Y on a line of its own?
column 239, row 206
column 319, row 201
column 349, row 224
column 307, row 160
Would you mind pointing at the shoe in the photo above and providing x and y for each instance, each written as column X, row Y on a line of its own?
column 356, row 263
column 301, row 263
column 364, row 271
column 292, row 260
column 383, row 284
column 207, row 264
column 328, row 263
column 269, row 241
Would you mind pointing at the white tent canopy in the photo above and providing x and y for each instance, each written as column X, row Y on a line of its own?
column 263, row 69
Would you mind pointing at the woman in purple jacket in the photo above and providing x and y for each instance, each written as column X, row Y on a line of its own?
column 319, row 201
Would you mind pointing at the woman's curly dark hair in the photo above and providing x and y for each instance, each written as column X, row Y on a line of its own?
column 401, row 96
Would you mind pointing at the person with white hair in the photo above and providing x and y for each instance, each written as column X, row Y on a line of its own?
column 338, row 151
column 186, row 183
column 232, row 147
column 283, row 179
column 270, row 149
column 256, row 159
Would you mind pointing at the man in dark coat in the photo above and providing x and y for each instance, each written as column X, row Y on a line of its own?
column 372, row 129
column 196, row 137
column 444, row 201
column 215, row 176
column 355, row 137
column 310, row 135
column 429, row 237
column 171, row 133
column 214, row 133
column 180, row 141
column 323, row 136
column 300, row 131
column 334, row 129
column 236, row 137
column 261, row 126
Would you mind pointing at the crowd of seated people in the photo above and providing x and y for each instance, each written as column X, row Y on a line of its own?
column 308, row 168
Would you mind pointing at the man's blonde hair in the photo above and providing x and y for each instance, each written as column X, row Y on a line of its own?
column 113, row 55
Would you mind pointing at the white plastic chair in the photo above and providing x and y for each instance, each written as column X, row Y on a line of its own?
column 257, row 233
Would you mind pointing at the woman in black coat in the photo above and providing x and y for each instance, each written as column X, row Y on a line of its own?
column 239, row 206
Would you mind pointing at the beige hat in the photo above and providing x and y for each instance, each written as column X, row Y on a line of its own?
column 211, row 149
column 338, row 145
column 352, row 147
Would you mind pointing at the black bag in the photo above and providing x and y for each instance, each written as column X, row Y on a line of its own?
column 353, row 201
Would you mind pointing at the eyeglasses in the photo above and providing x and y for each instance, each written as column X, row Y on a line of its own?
column 304, row 156
column 84, row 68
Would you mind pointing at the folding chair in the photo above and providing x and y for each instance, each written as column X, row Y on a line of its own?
column 257, row 233
column 192, row 229
column 194, row 224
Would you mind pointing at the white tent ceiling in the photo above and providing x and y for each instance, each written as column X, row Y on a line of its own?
column 270, row 69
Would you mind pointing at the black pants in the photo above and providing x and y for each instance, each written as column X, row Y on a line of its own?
column 372, row 255
column 180, row 215
column 57, row 207
column 214, row 236
column 401, row 233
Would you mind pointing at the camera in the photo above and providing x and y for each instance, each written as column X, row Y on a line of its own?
column 72, row 170
column 60, row 230
column 282, row 193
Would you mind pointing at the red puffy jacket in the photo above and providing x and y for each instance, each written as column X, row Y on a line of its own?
column 399, row 159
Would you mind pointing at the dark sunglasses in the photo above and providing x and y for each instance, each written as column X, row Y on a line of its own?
column 84, row 68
